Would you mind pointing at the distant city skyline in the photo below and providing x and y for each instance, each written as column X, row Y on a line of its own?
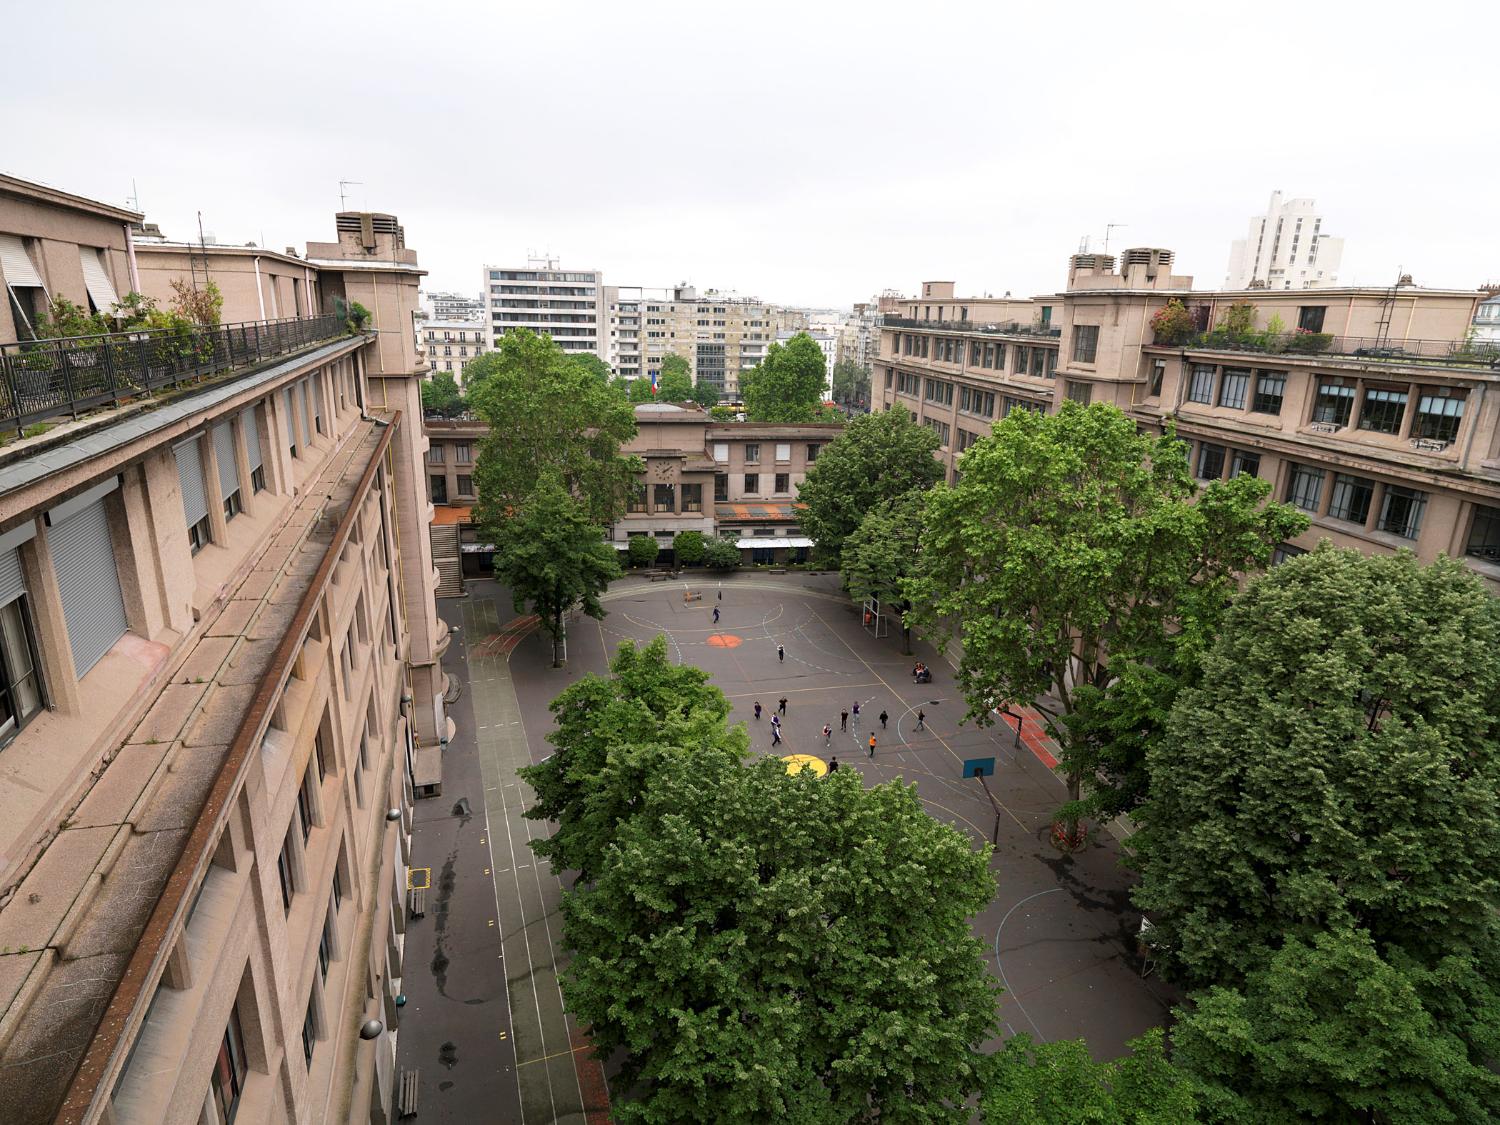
column 854, row 183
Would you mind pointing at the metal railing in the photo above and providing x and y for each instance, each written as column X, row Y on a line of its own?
column 1010, row 327
column 1462, row 353
column 42, row 379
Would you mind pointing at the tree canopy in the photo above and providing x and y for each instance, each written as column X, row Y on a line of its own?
column 851, row 382
column 881, row 553
column 788, row 385
column 675, row 383
column 591, row 364
column 1073, row 547
column 440, row 395
column 1321, row 847
column 547, row 413
column 877, row 458
column 553, row 558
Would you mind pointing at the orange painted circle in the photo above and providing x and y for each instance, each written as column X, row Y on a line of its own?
column 724, row 640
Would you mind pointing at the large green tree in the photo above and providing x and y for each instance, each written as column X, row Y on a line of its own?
column 592, row 365
column 880, row 554
column 705, row 394
column 1073, row 547
column 547, row 413
column 605, row 724
column 761, row 947
column 553, row 557
column 851, row 382
column 788, row 385
column 1059, row 1083
column 877, row 458
column 441, row 397
column 675, row 383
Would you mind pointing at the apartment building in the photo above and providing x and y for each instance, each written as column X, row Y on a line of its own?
column 568, row 305
column 1285, row 249
column 448, row 345
column 718, row 333
column 623, row 343
column 1367, row 408
column 217, row 676
column 452, row 306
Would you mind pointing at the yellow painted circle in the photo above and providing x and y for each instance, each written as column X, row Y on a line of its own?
column 796, row 763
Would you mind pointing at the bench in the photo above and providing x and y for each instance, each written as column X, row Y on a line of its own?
column 776, row 570
column 660, row 577
column 406, row 1094
column 692, row 596
column 417, row 907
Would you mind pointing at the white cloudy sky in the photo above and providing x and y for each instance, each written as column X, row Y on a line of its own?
column 811, row 152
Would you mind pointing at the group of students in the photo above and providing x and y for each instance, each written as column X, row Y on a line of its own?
column 828, row 728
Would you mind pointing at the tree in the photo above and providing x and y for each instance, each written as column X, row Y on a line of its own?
column 763, row 947
column 687, row 547
column 786, row 386
column 202, row 306
column 851, row 382
column 675, row 383
column 1072, row 547
column 594, row 777
column 642, row 550
column 441, row 397
column 547, row 413
column 705, row 394
column 552, row 556
column 1059, row 1083
column 592, row 365
column 880, row 553
column 721, row 554
column 1328, row 1030
column 878, row 457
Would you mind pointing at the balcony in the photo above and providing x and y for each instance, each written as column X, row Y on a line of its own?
column 1009, row 328
column 44, row 379
column 1438, row 353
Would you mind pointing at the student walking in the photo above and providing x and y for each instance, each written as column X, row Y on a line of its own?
column 843, row 720
column 921, row 718
column 781, row 705
column 872, row 745
column 833, row 764
column 856, row 712
column 757, row 709
column 775, row 735
column 781, row 653
column 827, row 735
column 883, row 718
column 716, row 615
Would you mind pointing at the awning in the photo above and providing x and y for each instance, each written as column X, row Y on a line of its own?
column 771, row 541
column 96, row 280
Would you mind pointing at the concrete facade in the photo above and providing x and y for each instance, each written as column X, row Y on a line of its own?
column 1285, row 249
column 719, row 334
column 447, row 345
column 201, row 892
column 1389, row 437
column 567, row 305
column 256, row 284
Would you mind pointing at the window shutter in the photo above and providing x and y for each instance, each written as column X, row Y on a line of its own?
column 16, row 263
column 88, row 584
column 317, row 400
column 96, row 279
column 252, row 437
column 299, row 395
column 12, row 585
column 229, row 470
column 291, row 419
column 190, row 474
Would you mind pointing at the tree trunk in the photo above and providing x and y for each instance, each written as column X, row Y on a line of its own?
column 557, row 636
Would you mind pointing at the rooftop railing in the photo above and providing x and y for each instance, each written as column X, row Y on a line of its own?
column 1461, row 353
column 45, row 379
column 1010, row 327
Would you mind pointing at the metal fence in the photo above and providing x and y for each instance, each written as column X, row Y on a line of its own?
column 1460, row 353
column 1012, row 327
column 42, row 379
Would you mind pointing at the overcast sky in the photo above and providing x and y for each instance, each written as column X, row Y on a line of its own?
column 809, row 153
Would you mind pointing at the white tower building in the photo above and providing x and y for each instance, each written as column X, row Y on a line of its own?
column 1286, row 249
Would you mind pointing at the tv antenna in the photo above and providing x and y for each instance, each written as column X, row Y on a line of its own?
column 1109, row 228
column 343, row 195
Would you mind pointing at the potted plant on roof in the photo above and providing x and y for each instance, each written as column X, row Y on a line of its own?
column 1172, row 325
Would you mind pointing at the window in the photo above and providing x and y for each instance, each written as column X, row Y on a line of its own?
column 1158, row 376
column 1244, row 464
column 1401, row 511
column 1305, row 488
column 1234, row 388
column 1438, row 414
column 1080, row 392
column 304, row 803
column 976, row 401
column 721, row 451
column 1351, row 498
column 752, row 453
column 1334, row 402
column 721, row 487
column 1201, row 383
column 752, row 483
column 1042, row 362
column 435, row 454
column 20, row 684
column 439, row 489
column 1270, row 389
column 1210, row 461
column 692, row 498
column 1383, row 409
column 636, row 502
column 1310, row 317
column 1286, row 551
column 463, row 453
column 465, row 485
column 309, row 1034
column 664, row 498
column 1484, row 534
column 1022, row 360
column 783, row 483
column 227, row 1080
column 325, row 946
column 284, row 872
column 812, row 452
column 1014, row 404
column 783, row 451
column 1085, row 342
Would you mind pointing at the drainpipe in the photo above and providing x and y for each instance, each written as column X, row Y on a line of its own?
column 259, row 292
column 307, row 285
column 135, row 275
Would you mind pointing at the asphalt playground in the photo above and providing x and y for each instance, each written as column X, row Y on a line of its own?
column 1059, row 934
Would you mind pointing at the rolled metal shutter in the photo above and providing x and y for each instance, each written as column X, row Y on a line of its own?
column 229, row 469
column 190, row 473
column 15, row 263
column 96, row 280
column 291, row 419
column 252, row 437
column 12, row 585
column 302, row 412
column 88, row 585
column 317, row 401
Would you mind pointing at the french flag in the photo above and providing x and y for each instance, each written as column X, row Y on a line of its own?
column 653, row 384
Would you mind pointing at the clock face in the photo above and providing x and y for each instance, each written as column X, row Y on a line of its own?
column 663, row 471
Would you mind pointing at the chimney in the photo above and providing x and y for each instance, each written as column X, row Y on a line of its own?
column 1146, row 268
column 1089, row 265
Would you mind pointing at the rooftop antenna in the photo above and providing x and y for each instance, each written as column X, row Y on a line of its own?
column 1108, row 229
column 135, row 196
column 200, row 259
column 344, row 195
column 1083, row 245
